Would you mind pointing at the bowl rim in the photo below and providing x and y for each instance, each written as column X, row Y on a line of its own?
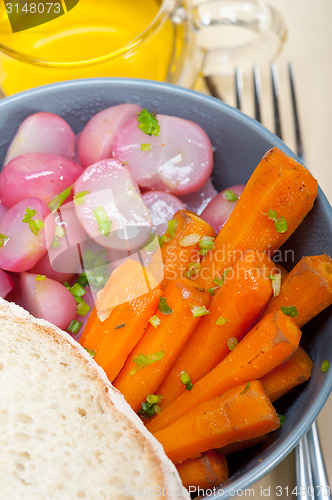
column 248, row 478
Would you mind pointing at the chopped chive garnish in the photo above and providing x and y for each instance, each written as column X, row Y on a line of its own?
column 145, row 147
column 155, row 321
column 186, row 380
column 231, row 343
column 120, row 326
column 143, row 360
column 280, row 223
column 290, row 311
column 220, row 281
column 77, row 290
column 35, row 225
column 230, row 195
column 191, row 239
column 199, row 311
column 212, row 291
column 271, row 277
column 74, row 327
column 282, row 419
column 172, row 226
column 152, row 243
column 59, row 231
column 206, row 243
column 83, row 308
column 55, row 243
column 325, row 366
column 150, row 407
column 272, row 214
column 91, row 352
column 56, row 203
column 82, row 280
column 245, row 389
column 193, row 270
column 148, row 122
column 3, row 240
column 79, row 198
column 221, row 321
column 163, row 306
column 40, row 277
column 104, row 224
column 276, row 284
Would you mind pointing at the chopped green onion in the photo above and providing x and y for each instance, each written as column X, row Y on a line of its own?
column 220, row 281
column 3, row 240
column 206, row 243
column 155, row 321
column 230, row 195
column 82, row 280
column 104, row 224
column 150, row 407
column 152, row 243
column 271, row 277
column 186, row 380
column 282, row 419
column 172, row 226
column 55, row 243
column 199, row 311
column 40, row 277
column 79, row 198
column 245, row 389
column 91, row 352
column 35, row 225
column 325, row 366
column 83, row 308
column 163, row 306
column 77, row 290
column 96, row 269
column 193, row 270
column 232, row 343
column 272, row 214
column 281, row 225
column 56, row 203
column 276, row 284
column 145, row 147
column 212, row 291
column 191, row 239
column 143, row 360
column 161, row 241
column 59, row 231
column 148, row 123
column 74, row 326
column 120, row 326
column 221, row 321
column 290, row 311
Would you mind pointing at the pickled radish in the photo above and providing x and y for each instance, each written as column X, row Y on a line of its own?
column 47, row 299
column 42, row 133
column 221, row 206
column 196, row 202
column 162, row 207
column 20, row 247
column 179, row 160
column 110, row 206
column 45, row 268
column 36, row 173
column 6, row 284
column 96, row 139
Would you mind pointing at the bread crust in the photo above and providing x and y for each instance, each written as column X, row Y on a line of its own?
column 165, row 472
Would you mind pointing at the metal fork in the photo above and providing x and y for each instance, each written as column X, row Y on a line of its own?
column 311, row 478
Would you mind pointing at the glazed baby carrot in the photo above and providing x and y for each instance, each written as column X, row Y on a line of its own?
column 206, row 471
column 243, row 412
column 242, row 445
column 180, row 245
column 294, row 371
column 267, row 345
column 276, row 199
column 110, row 341
column 236, row 305
column 180, row 309
column 308, row 288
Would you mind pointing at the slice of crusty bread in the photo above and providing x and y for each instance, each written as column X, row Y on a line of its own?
column 65, row 432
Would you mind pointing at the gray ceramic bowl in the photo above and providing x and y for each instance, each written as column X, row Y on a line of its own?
column 239, row 144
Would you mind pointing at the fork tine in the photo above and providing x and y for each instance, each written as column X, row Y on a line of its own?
column 212, row 87
column 275, row 95
column 238, row 87
column 298, row 137
column 257, row 93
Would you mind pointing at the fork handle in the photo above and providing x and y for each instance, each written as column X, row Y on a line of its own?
column 317, row 464
column 303, row 471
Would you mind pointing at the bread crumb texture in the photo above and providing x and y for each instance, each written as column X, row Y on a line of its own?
column 61, row 434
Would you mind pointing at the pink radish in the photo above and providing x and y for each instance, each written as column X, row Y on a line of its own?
column 221, row 206
column 42, row 133
column 47, row 299
column 96, row 139
column 196, row 202
column 22, row 244
column 44, row 267
column 162, row 207
column 36, row 173
column 178, row 160
column 110, row 206
column 6, row 284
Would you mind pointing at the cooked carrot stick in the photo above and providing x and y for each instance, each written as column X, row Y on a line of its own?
column 308, row 287
column 274, row 202
column 243, row 412
column 283, row 378
column 242, row 445
column 235, row 308
column 171, row 331
column 112, row 340
column 206, row 471
column 176, row 251
column 267, row 345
